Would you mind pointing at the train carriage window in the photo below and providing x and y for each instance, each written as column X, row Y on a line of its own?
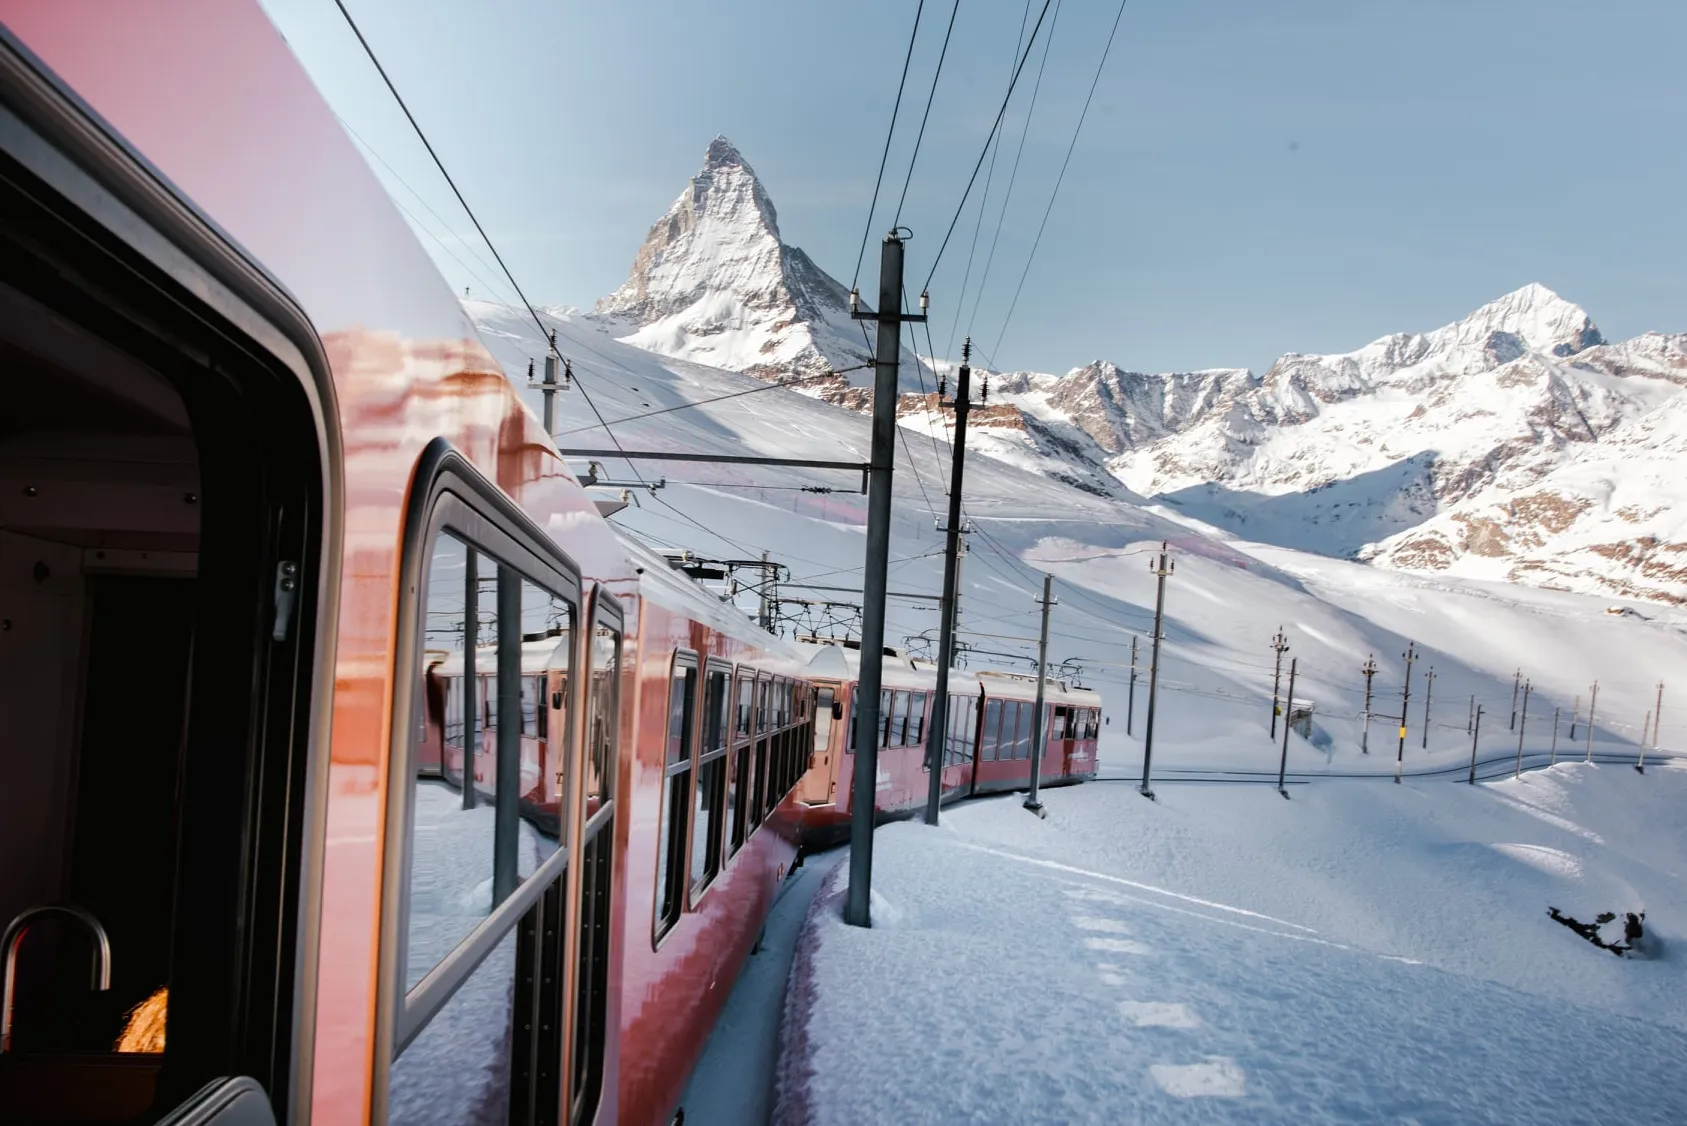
column 746, row 700
column 1022, row 736
column 676, row 792
column 992, row 730
column 482, row 848
column 917, row 719
column 591, row 979
column 738, row 782
column 711, row 779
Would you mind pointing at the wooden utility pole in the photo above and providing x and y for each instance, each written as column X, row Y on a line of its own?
column 1288, row 714
column 1522, row 722
column 950, row 605
column 1428, row 693
column 1411, row 654
column 1161, row 567
column 1592, row 703
column 1575, row 711
column 1553, row 760
column 1475, row 734
column 1369, row 668
column 1516, row 679
column 1279, row 645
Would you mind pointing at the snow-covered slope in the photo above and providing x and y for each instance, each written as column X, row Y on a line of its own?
column 714, row 282
column 1223, row 604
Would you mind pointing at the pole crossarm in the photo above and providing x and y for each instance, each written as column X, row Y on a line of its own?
column 861, row 467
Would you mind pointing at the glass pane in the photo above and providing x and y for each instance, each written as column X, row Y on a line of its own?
column 600, row 735
column 823, row 721
column 1022, row 741
column 762, row 688
column 547, row 658
column 451, row 844
column 746, row 694
column 992, row 729
column 681, row 694
column 886, row 698
column 714, row 723
column 457, row 1070
column 917, row 719
column 705, row 844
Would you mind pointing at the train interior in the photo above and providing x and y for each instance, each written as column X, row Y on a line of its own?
column 108, row 840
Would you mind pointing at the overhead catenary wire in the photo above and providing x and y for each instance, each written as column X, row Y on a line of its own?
column 773, row 386
column 931, row 96
column 1059, row 179
column 896, row 109
column 996, row 125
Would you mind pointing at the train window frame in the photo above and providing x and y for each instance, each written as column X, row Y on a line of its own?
column 707, row 755
column 588, row 964
column 672, row 836
column 450, row 495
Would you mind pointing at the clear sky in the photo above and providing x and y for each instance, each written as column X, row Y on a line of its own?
column 1254, row 177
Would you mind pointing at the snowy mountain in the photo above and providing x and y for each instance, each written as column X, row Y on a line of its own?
column 1345, row 454
column 714, row 282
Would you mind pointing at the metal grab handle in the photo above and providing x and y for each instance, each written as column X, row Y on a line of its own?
column 18, row 927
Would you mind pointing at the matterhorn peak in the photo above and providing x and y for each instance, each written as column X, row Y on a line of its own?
column 724, row 154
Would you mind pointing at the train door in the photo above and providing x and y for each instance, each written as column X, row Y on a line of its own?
column 477, row 915
column 161, row 563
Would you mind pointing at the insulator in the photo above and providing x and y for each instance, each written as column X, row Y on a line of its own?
column 530, row 370
column 942, row 386
column 984, row 388
column 925, row 301
column 854, row 300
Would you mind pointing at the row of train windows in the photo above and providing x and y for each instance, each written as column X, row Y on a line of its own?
column 720, row 785
column 1078, row 723
column 535, row 717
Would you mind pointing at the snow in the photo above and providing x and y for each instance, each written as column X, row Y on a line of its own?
column 1362, row 953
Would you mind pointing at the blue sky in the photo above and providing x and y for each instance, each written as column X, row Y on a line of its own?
column 1253, row 178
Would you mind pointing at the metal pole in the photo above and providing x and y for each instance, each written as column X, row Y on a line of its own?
column 951, row 579
column 1657, row 718
column 857, row 910
column 764, row 617
column 471, row 679
column 1283, row 762
column 1575, row 713
column 507, row 766
column 1645, row 725
column 1130, row 703
column 1428, row 692
column 1369, row 668
column 1522, row 722
column 1411, row 655
column 1592, row 703
column 1516, row 679
column 1162, row 569
column 1039, row 733
column 548, row 388
column 1278, row 645
column 1556, row 712
column 1475, row 734
column 1470, row 716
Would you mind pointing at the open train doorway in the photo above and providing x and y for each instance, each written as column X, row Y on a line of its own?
column 160, row 540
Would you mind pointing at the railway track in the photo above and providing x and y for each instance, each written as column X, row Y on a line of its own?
column 1487, row 770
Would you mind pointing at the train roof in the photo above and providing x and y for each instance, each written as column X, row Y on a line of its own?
column 837, row 661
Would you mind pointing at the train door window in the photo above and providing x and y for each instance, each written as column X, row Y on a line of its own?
column 917, row 719
column 1022, row 735
column 676, row 792
column 738, row 786
column 711, row 778
column 969, row 731
column 480, row 855
column 597, row 844
column 823, row 701
column 992, row 730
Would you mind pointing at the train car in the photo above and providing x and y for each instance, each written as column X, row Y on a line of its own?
column 266, row 497
column 986, row 748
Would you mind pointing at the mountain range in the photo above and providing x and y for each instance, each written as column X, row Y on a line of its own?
column 1516, row 443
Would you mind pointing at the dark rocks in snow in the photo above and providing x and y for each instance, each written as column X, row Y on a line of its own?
column 1633, row 930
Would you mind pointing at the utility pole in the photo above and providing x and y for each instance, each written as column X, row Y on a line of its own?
column 1428, row 691
column 951, row 583
column 1592, row 703
column 1411, row 654
column 765, row 612
column 881, row 465
column 1657, row 717
column 549, row 388
column 1516, row 679
column 1475, row 733
column 1279, row 645
column 1575, row 710
column 1039, row 733
column 1369, row 668
column 1470, row 716
column 1553, row 760
column 1283, row 762
column 1645, row 725
column 1130, row 703
column 1162, row 567
column 1522, row 722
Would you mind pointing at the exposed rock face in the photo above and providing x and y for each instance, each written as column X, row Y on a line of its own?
column 714, row 282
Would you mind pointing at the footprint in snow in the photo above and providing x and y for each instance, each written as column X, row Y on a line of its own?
column 1118, row 946
column 1217, row 1078
column 1159, row 1014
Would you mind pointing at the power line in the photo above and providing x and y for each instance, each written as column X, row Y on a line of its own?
column 1013, row 176
column 1036, row 242
column 719, row 398
column 885, row 156
column 930, row 97
column 1017, row 71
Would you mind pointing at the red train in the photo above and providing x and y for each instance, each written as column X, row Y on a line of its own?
column 987, row 748
column 366, row 761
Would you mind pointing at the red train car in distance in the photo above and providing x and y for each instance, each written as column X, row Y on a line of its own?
column 986, row 748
